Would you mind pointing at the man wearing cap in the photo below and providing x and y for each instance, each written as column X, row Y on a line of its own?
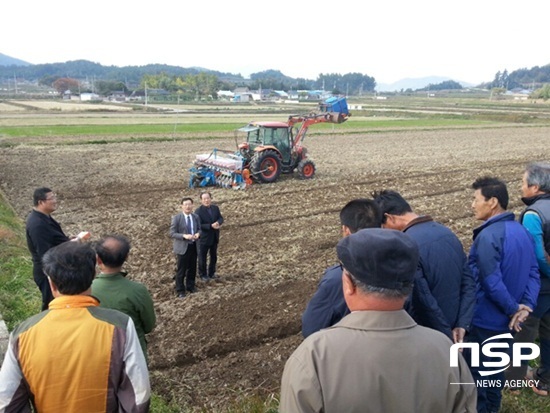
column 376, row 359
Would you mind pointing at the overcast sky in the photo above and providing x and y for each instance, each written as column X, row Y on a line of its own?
column 387, row 39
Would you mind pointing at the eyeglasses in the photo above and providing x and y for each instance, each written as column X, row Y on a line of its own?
column 52, row 198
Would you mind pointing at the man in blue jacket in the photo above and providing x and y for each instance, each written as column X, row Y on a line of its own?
column 443, row 295
column 503, row 263
column 327, row 306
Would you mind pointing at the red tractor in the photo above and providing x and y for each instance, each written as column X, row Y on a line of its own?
column 271, row 148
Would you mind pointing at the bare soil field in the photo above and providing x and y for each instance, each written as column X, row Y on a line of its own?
column 233, row 337
column 65, row 106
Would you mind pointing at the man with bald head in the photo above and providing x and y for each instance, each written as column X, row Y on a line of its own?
column 376, row 359
column 115, row 291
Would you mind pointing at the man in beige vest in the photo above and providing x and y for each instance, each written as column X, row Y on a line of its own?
column 376, row 359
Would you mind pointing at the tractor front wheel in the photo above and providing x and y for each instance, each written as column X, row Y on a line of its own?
column 306, row 169
column 265, row 166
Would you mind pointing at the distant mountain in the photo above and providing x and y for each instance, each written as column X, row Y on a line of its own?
column 414, row 83
column 80, row 69
column 12, row 61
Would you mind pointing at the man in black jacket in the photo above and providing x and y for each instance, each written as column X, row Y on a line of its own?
column 211, row 221
column 43, row 232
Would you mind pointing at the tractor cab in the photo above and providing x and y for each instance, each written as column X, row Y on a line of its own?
column 261, row 135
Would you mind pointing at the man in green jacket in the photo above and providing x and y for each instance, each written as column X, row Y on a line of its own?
column 114, row 290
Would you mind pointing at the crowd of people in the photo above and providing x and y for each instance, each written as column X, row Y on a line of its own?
column 378, row 332
column 403, row 278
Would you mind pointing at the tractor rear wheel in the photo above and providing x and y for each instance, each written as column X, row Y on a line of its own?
column 265, row 166
column 306, row 169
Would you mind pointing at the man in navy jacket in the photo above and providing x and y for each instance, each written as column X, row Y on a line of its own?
column 328, row 306
column 443, row 295
column 503, row 262
column 211, row 222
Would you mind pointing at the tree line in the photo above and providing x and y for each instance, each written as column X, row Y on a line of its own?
column 349, row 83
column 186, row 82
column 197, row 82
column 533, row 78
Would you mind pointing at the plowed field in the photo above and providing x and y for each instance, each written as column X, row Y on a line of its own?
column 233, row 337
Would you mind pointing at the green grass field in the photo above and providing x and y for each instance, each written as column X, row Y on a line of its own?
column 212, row 128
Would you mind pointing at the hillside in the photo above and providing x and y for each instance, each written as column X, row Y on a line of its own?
column 80, row 69
column 6, row 60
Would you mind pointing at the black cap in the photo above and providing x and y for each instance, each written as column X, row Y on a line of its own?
column 378, row 257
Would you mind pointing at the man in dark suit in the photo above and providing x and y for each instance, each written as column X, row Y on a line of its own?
column 184, row 230
column 211, row 221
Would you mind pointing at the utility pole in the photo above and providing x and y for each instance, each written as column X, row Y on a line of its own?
column 145, row 93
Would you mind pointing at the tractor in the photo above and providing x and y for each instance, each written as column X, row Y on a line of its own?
column 271, row 148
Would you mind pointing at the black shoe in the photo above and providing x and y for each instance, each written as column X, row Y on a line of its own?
column 213, row 277
column 205, row 278
column 192, row 291
column 181, row 295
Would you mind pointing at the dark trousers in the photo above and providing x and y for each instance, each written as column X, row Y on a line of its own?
column 203, row 252
column 488, row 397
column 42, row 282
column 537, row 324
column 186, row 268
